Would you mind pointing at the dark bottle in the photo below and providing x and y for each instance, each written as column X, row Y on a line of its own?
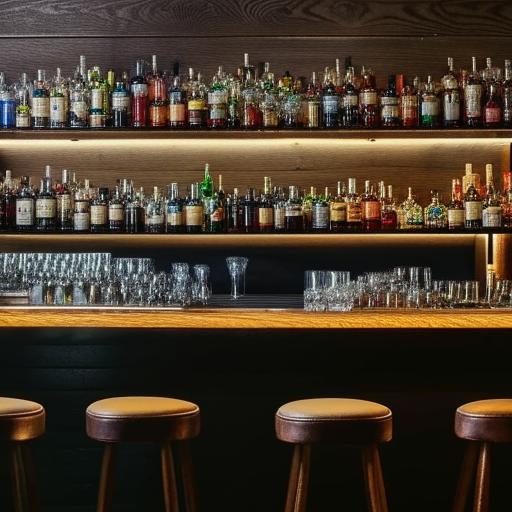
column 330, row 105
column 99, row 211
column 194, row 211
column 472, row 208
column 507, row 95
column 9, row 202
column 46, row 204
column 116, row 215
column 133, row 212
column 390, row 105
column 266, row 209
column 157, row 97
column 320, row 213
column 349, row 117
column 369, row 102
column 338, row 213
column 249, row 212
column 492, row 109
column 139, row 97
column 174, row 210
column 473, row 93
column 370, row 209
column 25, row 206
column 293, row 215
column 388, row 216
column 177, row 105
column 234, row 216
column 64, row 204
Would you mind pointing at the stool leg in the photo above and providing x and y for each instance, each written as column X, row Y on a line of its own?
column 18, row 479
column 187, row 476
column 467, row 474
column 374, row 482
column 483, row 479
column 30, row 479
column 169, row 479
column 296, row 500
column 107, row 479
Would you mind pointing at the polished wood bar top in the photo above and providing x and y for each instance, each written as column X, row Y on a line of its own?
column 237, row 318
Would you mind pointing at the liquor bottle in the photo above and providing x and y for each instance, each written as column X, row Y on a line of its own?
column 234, row 105
column 507, row 95
column 22, row 94
column 214, row 214
column 506, row 206
column 266, row 209
column 293, row 215
column 115, row 212
column 307, row 204
column 78, row 98
column 99, row 207
column 370, row 209
column 9, row 201
column 320, row 221
column 133, row 212
column 353, row 207
column 82, row 210
column 390, row 105
column 251, row 114
column 338, row 210
column 409, row 106
column 155, row 213
column 218, row 101
column 248, row 71
column 469, row 178
column 330, row 104
column 249, row 207
column 3, row 219
column 473, row 93
column 174, row 210
column 120, row 101
column 430, row 107
column 98, row 95
column 58, row 102
column 7, row 105
column 436, row 214
column 157, row 97
column 206, row 186
column 369, row 102
column 25, row 206
column 492, row 212
column 451, row 98
column 279, row 211
column 221, row 198
column 270, row 109
column 194, row 211
column 177, row 105
column 314, row 118
column 139, row 97
column 456, row 212
column 412, row 213
column 291, row 106
column 492, row 109
column 472, row 208
column 349, row 117
column 64, row 204
column 40, row 102
column 388, row 214
column 46, row 204
column 197, row 108
column 234, row 217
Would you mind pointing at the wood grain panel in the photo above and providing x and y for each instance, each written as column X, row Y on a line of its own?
column 300, row 55
column 249, row 17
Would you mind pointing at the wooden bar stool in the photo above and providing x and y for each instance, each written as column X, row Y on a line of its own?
column 169, row 422
column 21, row 421
column 334, row 420
column 482, row 423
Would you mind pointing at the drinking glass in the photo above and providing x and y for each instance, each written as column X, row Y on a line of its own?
column 237, row 265
column 201, row 288
column 314, row 290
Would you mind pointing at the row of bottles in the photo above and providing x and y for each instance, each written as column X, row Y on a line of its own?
column 71, row 206
column 335, row 98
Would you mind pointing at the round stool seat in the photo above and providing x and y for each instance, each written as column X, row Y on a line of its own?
column 341, row 420
column 142, row 418
column 20, row 420
column 485, row 420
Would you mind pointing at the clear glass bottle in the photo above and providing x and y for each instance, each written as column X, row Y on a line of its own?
column 473, row 94
column 133, row 211
column 338, row 210
column 472, row 208
column 353, row 207
column 197, row 107
column 22, row 94
column 455, row 212
column 320, row 221
column 412, row 212
column 234, row 215
column 194, row 211
column 314, row 118
column 370, row 209
column 177, row 104
column 349, row 117
column 218, row 101
column 155, row 213
column 64, row 204
column 249, row 207
column 436, row 214
column 369, row 101
column 266, row 209
column 58, row 102
column 25, row 206
column 507, row 95
column 174, row 210
column 82, row 209
column 451, row 98
column 294, row 216
column 492, row 211
column 469, row 178
column 7, row 104
column 388, row 213
column 390, row 105
column 116, row 212
column 492, row 109
column 40, row 102
column 97, row 95
column 430, row 106
column 46, row 204
column 120, row 101
column 99, row 211
column 79, row 98
column 409, row 106
column 279, row 211
column 139, row 97
column 330, row 104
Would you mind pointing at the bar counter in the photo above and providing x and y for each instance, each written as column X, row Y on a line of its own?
column 250, row 318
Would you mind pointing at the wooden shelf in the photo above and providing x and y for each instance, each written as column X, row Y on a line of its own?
column 136, row 318
column 153, row 133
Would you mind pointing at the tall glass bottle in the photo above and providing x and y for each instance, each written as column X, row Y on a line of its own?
column 472, row 208
column 266, row 209
column 82, row 209
column 294, row 216
column 22, row 94
column 370, row 209
column 436, row 214
column 350, row 101
column 40, row 102
column 507, row 95
column 353, row 207
column 234, row 104
column 194, row 211
column 279, row 211
column 157, row 97
column 98, row 95
column 314, row 118
column 197, row 108
column 234, row 215
column 58, row 102
column 120, row 101
column 46, row 204
column 451, row 99
column 64, row 204
column 155, row 213
column 412, row 212
column 430, row 106
column 390, row 105
column 133, row 212
column 492, row 211
column 492, row 109
column 177, row 104
column 174, row 210
column 409, row 106
column 25, row 206
column 330, row 104
column 473, row 93
column 79, row 98
column 116, row 212
column 218, row 101
column 99, row 211
column 307, row 204
column 456, row 207
column 249, row 207
column 369, row 102
column 320, row 221
column 338, row 210
column 7, row 105
column 9, row 201
column 139, row 97
column 388, row 214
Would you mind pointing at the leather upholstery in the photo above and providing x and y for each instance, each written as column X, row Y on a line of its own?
column 342, row 420
column 20, row 420
column 142, row 418
column 485, row 420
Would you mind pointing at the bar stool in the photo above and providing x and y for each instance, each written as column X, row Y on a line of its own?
column 483, row 422
column 169, row 422
column 21, row 421
column 334, row 420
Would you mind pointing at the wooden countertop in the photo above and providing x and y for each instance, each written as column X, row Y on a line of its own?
column 167, row 318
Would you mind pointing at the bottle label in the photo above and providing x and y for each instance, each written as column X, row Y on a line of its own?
column 370, row 210
column 97, row 98
column 177, row 113
column 266, row 217
column 79, row 108
column 81, row 221
column 270, row 118
column 313, row 115
column 22, row 120
column 409, row 107
column 140, row 89
column 196, row 104
column 353, row 212
column 217, row 215
column 174, row 218
column 195, row 117
column 473, row 97
column 390, row 107
column 456, row 218
column 491, row 217
column 320, row 217
column 120, row 102
column 279, row 218
column 194, row 215
column 473, row 210
column 349, row 100
column 218, row 111
column 451, row 106
column 330, row 104
column 368, row 98
column 58, row 109
column 492, row 114
column 24, row 212
column 64, row 206
column 216, row 97
column 41, row 107
column 98, row 214
column 46, row 208
column 293, row 211
column 430, row 106
column 339, row 212
column 157, row 115
column 116, row 212
column 96, row 120
column 155, row 219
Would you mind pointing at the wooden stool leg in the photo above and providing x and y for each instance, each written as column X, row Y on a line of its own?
column 467, row 475
column 169, row 479
column 187, row 476
column 30, row 479
column 296, row 500
column 374, row 482
column 483, row 479
column 107, row 479
column 18, row 479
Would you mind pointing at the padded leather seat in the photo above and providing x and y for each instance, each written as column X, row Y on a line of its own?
column 485, row 420
column 341, row 420
column 142, row 418
column 20, row 420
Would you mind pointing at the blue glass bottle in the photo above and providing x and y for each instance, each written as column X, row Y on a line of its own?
column 7, row 105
